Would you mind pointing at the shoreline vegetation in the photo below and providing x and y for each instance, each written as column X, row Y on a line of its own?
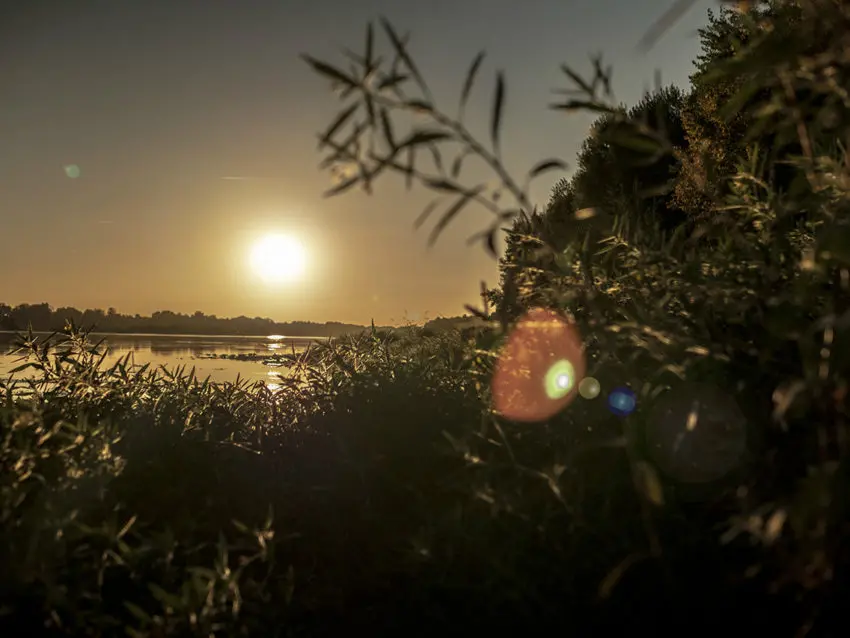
column 699, row 249
column 45, row 318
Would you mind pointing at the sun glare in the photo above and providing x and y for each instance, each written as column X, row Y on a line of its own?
column 278, row 258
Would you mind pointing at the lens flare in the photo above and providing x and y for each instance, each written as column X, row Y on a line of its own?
column 589, row 388
column 72, row 171
column 539, row 367
column 622, row 401
column 696, row 433
column 560, row 379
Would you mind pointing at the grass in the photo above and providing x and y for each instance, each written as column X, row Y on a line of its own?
column 373, row 491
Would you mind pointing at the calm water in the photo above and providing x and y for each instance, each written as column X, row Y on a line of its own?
column 187, row 350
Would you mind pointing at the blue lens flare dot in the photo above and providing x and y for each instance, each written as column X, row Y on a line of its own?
column 622, row 401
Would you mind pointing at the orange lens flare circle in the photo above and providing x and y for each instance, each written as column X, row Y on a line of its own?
column 539, row 368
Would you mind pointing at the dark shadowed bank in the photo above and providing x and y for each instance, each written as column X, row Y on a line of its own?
column 377, row 491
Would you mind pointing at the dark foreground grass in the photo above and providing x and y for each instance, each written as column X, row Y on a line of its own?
column 373, row 492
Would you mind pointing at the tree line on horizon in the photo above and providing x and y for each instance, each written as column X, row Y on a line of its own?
column 43, row 317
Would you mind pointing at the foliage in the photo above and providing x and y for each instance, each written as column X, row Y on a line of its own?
column 744, row 290
column 376, row 490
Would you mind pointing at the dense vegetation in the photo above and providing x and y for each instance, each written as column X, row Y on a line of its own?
column 700, row 247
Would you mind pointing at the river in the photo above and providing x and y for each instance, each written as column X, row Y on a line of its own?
column 200, row 351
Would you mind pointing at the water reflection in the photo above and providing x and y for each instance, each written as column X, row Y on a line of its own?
column 200, row 352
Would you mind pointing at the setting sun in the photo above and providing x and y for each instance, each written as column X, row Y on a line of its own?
column 278, row 258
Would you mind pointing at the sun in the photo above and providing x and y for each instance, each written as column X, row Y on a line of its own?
column 278, row 258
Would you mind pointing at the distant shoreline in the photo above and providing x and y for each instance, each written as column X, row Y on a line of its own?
column 272, row 337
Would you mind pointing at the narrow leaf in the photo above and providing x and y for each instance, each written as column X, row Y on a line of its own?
column 438, row 159
column 426, row 212
column 458, row 164
column 341, row 119
column 342, row 187
column 582, row 105
column 408, row 173
column 648, row 483
column 420, row 137
column 401, row 50
column 578, row 80
column 444, row 185
column 391, row 81
column 387, row 127
column 470, row 80
column 328, row 71
column 420, row 106
column 546, row 165
column 490, row 244
column 496, row 115
column 606, row 587
column 370, row 45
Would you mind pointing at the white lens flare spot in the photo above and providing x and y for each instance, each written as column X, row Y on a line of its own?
column 560, row 379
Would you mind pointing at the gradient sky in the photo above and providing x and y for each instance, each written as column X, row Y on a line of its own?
column 157, row 100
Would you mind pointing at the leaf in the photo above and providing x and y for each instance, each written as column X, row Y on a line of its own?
column 490, row 243
column 452, row 212
column 401, row 51
column 676, row 10
column 419, row 106
column 444, row 185
column 370, row 46
column 392, row 81
column 470, row 80
column 342, row 187
column 498, row 106
column 578, row 80
column 24, row 366
column 424, row 137
column 606, row 587
column 582, row 105
column 438, row 159
column 341, row 119
column 546, row 165
column 458, row 164
column 329, row 71
column 647, row 481
column 386, row 125
column 426, row 212
column 489, row 239
column 408, row 172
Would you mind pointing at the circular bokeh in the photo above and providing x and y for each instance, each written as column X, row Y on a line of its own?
column 622, row 401
column 589, row 388
column 72, row 171
column 696, row 433
column 538, row 368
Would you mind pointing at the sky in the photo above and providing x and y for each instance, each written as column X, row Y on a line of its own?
column 156, row 101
